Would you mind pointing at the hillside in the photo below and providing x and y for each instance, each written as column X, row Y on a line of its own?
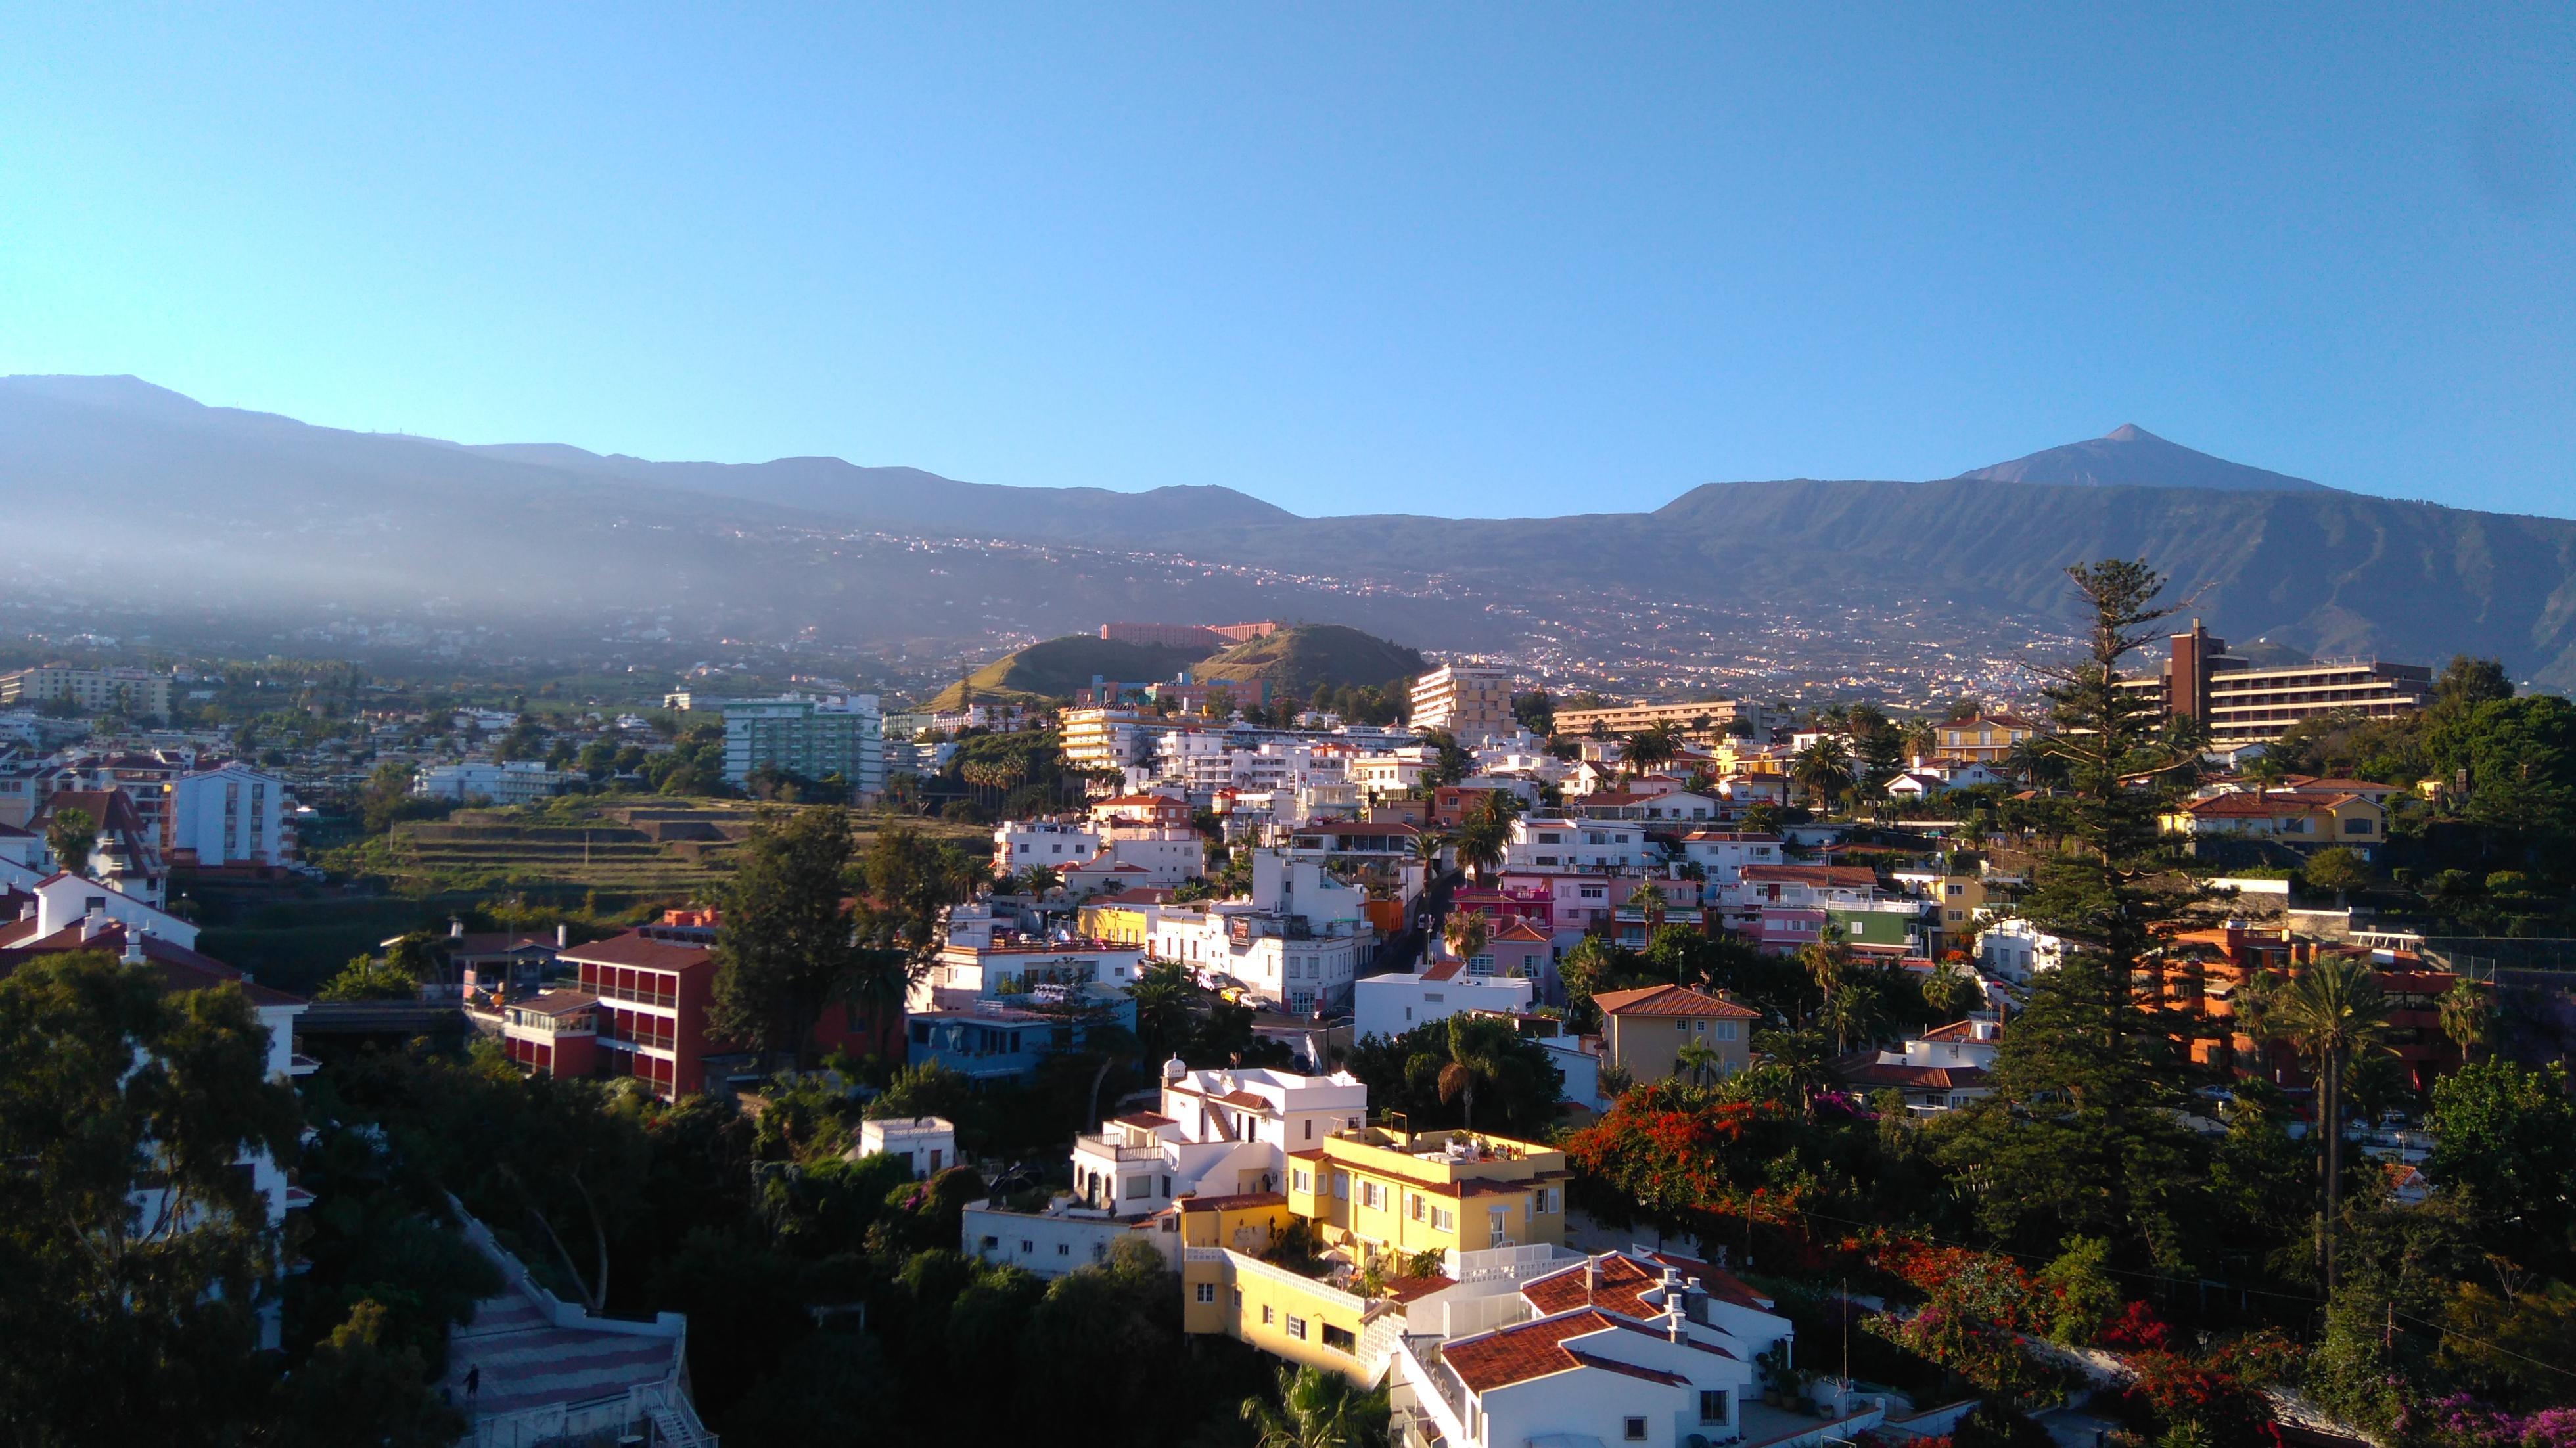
column 1296, row 660
column 1057, row 667
column 242, row 528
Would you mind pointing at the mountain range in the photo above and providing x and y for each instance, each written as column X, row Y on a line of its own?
column 215, row 509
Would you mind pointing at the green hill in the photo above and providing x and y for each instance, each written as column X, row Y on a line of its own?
column 1297, row 659
column 1057, row 667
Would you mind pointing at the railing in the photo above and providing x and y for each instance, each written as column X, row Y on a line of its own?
column 637, row 997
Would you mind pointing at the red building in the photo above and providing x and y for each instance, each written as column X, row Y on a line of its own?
column 554, row 1034
column 653, row 997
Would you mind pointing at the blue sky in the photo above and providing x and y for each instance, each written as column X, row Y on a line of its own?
column 1477, row 260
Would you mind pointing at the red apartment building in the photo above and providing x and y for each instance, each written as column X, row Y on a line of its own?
column 639, row 1007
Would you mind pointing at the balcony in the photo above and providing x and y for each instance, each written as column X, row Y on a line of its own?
column 667, row 1000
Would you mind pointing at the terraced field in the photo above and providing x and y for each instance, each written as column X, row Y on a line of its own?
column 669, row 849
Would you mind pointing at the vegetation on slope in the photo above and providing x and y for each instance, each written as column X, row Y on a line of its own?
column 1298, row 660
column 1057, row 667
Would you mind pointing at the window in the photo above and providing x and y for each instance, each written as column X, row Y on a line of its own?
column 992, row 1242
column 1373, row 1196
column 2356, row 827
column 1310, row 1129
column 1434, row 995
column 1416, row 1203
column 1341, row 1339
column 1297, row 1328
column 1682, row 1026
column 1443, row 1220
column 1301, row 1180
column 1712, row 1406
column 1723, row 1031
column 1342, row 1185
column 1028, row 1248
column 1265, row 1314
column 1545, row 1201
column 1142, row 1186
column 1238, row 1302
column 1207, row 1294
column 1498, row 1223
column 1480, row 964
column 1636, row 1432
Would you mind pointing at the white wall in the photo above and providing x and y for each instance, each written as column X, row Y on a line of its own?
column 1390, row 1005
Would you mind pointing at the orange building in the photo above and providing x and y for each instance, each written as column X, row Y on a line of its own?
column 2204, row 972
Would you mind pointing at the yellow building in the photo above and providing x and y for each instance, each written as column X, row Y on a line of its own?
column 1988, row 737
column 1373, row 1201
column 1119, row 923
column 1643, row 1031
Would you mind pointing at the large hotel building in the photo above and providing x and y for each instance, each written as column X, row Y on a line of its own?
column 2242, row 704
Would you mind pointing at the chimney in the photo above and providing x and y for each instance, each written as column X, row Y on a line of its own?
column 93, row 921
column 133, row 945
column 27, row 911
column 563, row 936
column 455, row 927
column 1591, row 1277
column 1673, row 1322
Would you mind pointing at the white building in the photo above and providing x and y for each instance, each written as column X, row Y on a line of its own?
column 1217, row 1133
column 928, row 1144
column 1623, row 1347
column 2016, row 950
column 1472, row 703
column 1296, row 942
column 1156, row 855
column 1060, row 1240
column 230, row 815
column 519, row 782
column 1390, row 1005
column 1723, row 854
column 981, row 961
column 815, row 737
column 1557, row 844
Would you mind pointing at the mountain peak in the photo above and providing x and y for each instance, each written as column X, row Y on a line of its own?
column 2129, row 456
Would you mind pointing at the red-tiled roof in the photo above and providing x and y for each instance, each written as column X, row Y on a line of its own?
column 1838, row 876
column 1443, row 970
column 1135, row 895
column 642, row 951
column 178, row 967
column 1536, row 1350
column 558, row 1002
column 1143, row 1118
column 1522, row 931
column 1406, row 1289
column 1960, row 1031
column 1244, row 1099
column 1671, row 1000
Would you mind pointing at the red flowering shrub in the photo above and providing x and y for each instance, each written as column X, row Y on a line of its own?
column 2137, row 1329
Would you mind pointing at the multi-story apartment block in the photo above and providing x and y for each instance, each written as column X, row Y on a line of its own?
column 2243, row 704
column 1296, row 942
column 1705, row 722
column 814, row 737
column 230, row 815
column 521, row 781
column 1109, row 740
column 1545, row 843
column 1472, row 703
column 137, row 692
column 1150, row 855
column 650, row 1000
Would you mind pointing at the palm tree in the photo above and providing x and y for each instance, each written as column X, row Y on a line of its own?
column 1649, row 747
column 1317, row 1409
column 1468, row 933
column 1823, row 769
column 2333, row 1013
column 2467, row 1017
column 1649, row 900
column 1427, row 849
column 1847, row 1016
column 1476, row 1047
column 1806, row 1058
column 1699, row 1060
column 1483, row 842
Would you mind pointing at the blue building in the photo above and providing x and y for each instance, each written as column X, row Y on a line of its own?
column 989, row 1042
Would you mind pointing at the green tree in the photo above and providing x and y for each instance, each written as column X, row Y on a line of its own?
column 1699, row 1061
column 2340, row 869
column 2087, row 1299
column 2506, row 1135
column 71, row 833
column 1166, row 997
column 1317, row 1409
column 1478, row 1046
column 147, row 1304
column 1468, row 932
column 787, row 947
column 2467, row 1017
column 2333, row 1012
column 366, row 978
column 359, row 1386
column 1824, row 770
column 1648, row 749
